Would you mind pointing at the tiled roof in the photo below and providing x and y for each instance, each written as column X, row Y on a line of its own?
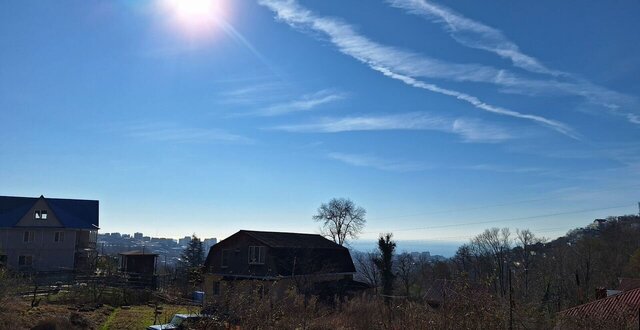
column 605, row 308
column 72, row 213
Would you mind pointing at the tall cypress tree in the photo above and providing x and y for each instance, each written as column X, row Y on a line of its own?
column 384, row 263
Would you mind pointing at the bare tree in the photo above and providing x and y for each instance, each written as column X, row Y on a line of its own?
column 405, row 268
column 367, row 271
column 495, row 243
column 526, row 239
column 341, row 219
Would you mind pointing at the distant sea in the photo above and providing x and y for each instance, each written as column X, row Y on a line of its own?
column 445, row 249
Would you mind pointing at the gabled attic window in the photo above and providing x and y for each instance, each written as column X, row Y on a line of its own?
column 40, row 215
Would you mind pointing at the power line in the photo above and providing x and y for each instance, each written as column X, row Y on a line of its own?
column 494, row 205
column 506, row 220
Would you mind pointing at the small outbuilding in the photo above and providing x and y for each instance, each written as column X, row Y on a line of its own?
column 138, row 262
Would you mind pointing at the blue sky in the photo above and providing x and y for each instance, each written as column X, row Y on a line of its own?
column 440, row 118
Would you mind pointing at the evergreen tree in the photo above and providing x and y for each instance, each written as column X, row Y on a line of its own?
column 384, row 263
column 193, row 260
column 193, row 254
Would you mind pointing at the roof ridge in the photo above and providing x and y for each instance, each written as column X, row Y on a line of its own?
column 279, row 232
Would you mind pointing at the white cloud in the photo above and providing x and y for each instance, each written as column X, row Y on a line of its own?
column 377, row 163
column 633, row 118
column 470, row 130
column 474, row 131
column 558, row 126
column 477, row 35
column 279, row 98
column 407, row 121
column 473, row 34
column 255, row 94
column 403, row 65
column 305, row 103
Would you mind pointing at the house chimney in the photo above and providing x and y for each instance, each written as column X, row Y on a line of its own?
column 601, row 293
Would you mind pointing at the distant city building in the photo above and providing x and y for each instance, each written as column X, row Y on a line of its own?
column 207, row 243
column 137, row 235
column 167, row 248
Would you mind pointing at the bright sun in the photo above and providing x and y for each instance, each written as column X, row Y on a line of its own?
column 195, row 16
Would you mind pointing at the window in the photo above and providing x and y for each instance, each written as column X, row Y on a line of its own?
column 28, row 236
column 58, row 237
column 216, row 288
column 256, row 255
column 226, row 254
column 40, row 214
column 25, row 260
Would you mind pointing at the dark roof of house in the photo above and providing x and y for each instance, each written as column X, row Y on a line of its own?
column 72, row 213
column 606, row 308
column 292, row 240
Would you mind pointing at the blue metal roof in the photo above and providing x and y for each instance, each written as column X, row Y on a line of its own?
column 72, row 213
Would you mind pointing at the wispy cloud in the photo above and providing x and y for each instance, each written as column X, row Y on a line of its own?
column 473, row 34
column 403, row 65
column 633, row 118
column 165, row 132
column 476, row 102
column 378, row 163
column 475, row 131
column 305, row 103
column 470, row 130
column 279, row 99
column 255, row 94
column 408, row 121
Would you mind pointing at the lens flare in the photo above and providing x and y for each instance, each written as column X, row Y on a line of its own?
column 195, row 17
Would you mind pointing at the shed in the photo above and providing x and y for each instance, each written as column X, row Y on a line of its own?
column 139, row 262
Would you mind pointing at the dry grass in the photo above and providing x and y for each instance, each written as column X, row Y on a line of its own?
column 17, row 314
column 140, row 317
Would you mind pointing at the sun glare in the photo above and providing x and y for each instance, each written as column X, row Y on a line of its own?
column 195, row 16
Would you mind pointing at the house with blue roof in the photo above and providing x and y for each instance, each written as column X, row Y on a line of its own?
column 48, row 234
